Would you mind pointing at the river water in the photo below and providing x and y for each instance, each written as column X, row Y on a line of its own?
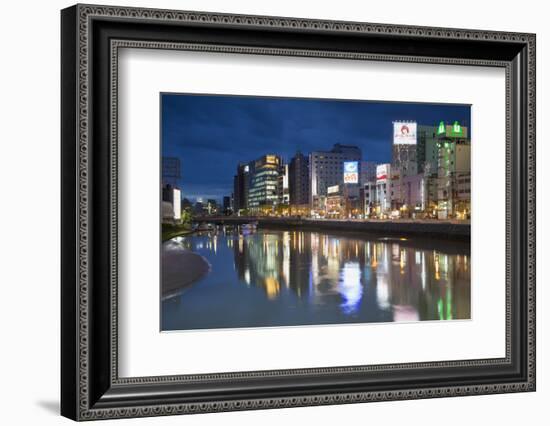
column 286, row 278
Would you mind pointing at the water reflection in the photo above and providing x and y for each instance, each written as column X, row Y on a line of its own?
column 273, row 278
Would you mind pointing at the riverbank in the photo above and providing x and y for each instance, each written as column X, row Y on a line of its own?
column 457, row 230
column 171, row 231
column 433, row 229
column 180, row 268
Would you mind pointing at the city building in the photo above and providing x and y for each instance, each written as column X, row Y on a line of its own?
column 212, row 207
column 263, row 191
column 283, row 191
column 414, row 194
column 226, row 205
column 326, row 168
column 427, row 149
column 404, row 155
column 171, row 171
column 298, row 180
column 240, row 189
column 463, row 194
column 404, row 160
column 170, row 191
column 171, row 204
column 453, row 166
column 367, row 172
column 335, row 202
column 368, row 198
column 199, row 208
column 383, row 189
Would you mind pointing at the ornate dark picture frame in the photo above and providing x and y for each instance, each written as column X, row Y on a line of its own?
column 90, row 385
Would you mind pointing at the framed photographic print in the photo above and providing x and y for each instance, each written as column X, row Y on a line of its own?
column 263, row 212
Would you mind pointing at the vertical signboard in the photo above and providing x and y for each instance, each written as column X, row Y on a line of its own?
column 351, row 172
column 382, row 171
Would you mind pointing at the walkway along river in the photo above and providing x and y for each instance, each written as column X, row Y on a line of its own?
column 274, row 277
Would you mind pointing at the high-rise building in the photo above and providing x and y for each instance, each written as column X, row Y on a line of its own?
column 171, row 204
column 240, row 188
column 367, row 172
column 368, row 197
column 453, row 171
column 404, row 159
column 427, row 151
column 326, row 168
column 171, row 193
column 226, row 205
column 263, row 191
column 283, row 186
column 171, row 171
column 298, row 180
column 383, row 188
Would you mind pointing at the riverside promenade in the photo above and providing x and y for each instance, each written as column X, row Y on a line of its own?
column 430, row 228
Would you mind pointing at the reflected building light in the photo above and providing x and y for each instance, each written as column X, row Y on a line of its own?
column 314, row 241
column 383, row 292
column 402, row 262
column 423, row 274
column 272, row 287
column 417, row 256
column 350, row 287
column 406, row 313
column 333, row 267
column 445, row 264
column 286, row 258
column 449, row 303
column 241, row 244
column 335, row 246
column 247, row 276
column 314, row 273
column 385, row 258
column 395, row 251
column 215, row 243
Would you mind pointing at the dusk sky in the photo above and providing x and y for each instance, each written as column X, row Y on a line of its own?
column 212, row 134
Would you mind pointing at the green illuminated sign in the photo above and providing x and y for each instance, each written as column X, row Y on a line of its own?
column 457, row 128
column 441, row 128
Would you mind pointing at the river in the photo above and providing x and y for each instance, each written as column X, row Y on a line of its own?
column 269, row 278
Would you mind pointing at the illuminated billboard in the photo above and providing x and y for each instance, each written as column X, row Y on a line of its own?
column 382, row 171
column 333, row 189
column 404, row 133
column 455, row 130
column 177, row 204
column 351, row 172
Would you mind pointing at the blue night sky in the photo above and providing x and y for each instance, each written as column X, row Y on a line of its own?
column 211, row 134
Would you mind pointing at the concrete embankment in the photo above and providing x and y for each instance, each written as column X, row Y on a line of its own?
column 180, row 268
column 429, row 229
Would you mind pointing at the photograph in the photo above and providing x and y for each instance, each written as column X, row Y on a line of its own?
column 279, row 212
